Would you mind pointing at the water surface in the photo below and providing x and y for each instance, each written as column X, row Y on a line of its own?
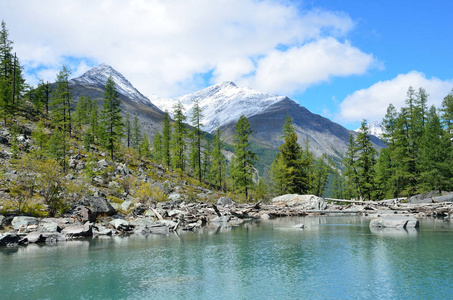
column 332, row 258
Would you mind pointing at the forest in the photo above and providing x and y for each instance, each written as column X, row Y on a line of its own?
column 417, row 157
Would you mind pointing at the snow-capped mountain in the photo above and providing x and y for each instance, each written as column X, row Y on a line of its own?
column 221, row 103
column 374, row 129
column 98, row 76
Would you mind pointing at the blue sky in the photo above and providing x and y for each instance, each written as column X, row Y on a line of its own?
column 345, row 60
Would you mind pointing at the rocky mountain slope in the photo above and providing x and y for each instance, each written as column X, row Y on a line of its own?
column 92, row 84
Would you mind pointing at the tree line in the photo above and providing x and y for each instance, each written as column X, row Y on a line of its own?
column 418, row 157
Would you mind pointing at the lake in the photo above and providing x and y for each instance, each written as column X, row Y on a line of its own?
column 332, row 258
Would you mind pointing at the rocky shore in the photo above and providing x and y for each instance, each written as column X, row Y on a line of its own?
column 95, row 216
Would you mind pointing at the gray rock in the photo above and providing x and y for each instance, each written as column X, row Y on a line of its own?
column 53, row 237
column 113, row 185
column 22, row 221
column 102, row 164
column 310, row 202
column 167, row 223
column 222, row 219
column 83, row 214
column 9, row 239
column 302, row 226
column 126, row 205
column 394, row 221
column 50, row 227
column 2, row 221
column 4, row 140
column 78, row 230
column 225, row 201
column 98, row 205
column 142, row 222
column 120, row 224
column 35, row 237
column 176, row 197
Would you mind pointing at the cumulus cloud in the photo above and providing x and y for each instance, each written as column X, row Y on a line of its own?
column 162, row 47
column 371, row 103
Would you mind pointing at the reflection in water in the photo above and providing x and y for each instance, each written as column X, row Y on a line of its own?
column 394, row 232
column 333, row 257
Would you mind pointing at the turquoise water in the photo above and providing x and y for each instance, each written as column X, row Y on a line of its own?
column 333, row 258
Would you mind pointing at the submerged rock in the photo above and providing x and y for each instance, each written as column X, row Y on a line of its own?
column 394, row 221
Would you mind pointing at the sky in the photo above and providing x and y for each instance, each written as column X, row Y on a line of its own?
column 346, row 60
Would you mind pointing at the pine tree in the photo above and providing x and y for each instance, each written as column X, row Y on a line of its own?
column 178, row 139
column 243, row 163
column 166, row 140
column 111, row 124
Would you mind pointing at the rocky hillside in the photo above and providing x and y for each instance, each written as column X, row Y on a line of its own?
column 92, row 84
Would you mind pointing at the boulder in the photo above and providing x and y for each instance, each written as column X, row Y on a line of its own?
column 394, row 221
column 83, row 214
column 53, row 237
column 126, row 205
column 102, row 164
column 98, row 205
column 35, row 237
column 78, row 230
column 225, row 201
column 176, row 197
column 9, row 239
column 301, row 201
column 120, row 224
column 50, row 227
column 222, row 219
column 141, row 222
column 22, row 221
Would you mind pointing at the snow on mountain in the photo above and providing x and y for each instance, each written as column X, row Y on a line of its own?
column 374, row 129
column 98, row 76
column 221, row 103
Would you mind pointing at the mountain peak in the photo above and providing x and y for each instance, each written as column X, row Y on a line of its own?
column 98, row 76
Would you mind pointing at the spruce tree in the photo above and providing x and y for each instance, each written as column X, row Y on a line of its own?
column 128, row 130
column 242, row 168
column 352, row 183
column 111, row 120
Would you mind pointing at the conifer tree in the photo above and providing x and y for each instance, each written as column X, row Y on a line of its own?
column 197, row 116
column 178, row 139
column 111, row 124
column 158, row 148
column 242, row 167
column 128, row 130
column 144, row 148
column 366, row 161
column 289, row 169
column 166, row 140
column 136, row 134
column 61, row 102
column 352, row 183
column 218, row 162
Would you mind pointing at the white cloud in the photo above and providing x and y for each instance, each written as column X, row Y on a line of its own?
column 372, row 103
column 162, row 47
column 299, row 67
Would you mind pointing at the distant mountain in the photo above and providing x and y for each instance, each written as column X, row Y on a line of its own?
column 224, row 103
column 374, row 128
column 92, row 84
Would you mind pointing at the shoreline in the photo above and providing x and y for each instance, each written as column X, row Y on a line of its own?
column 169, row 217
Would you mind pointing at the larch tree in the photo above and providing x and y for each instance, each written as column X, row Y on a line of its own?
column 178, row 139
column 242, row 167
column 166, row 140
column 111, row 120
